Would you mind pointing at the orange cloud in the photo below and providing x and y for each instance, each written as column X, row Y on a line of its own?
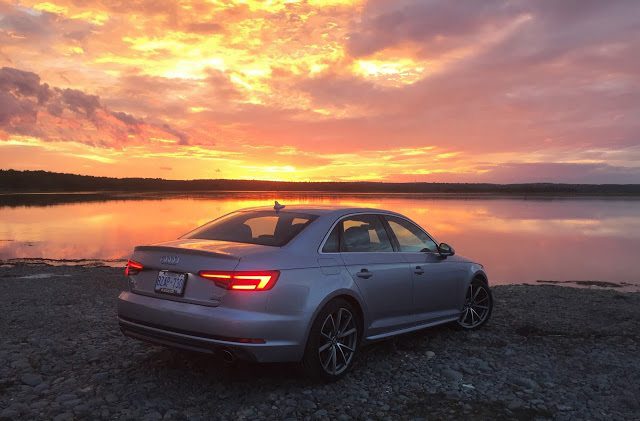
column 405, row 90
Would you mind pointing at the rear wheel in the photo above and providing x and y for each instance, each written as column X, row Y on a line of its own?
column 333, row 341
column 478, row 304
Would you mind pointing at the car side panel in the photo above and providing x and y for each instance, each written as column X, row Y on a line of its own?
column 387, row 292
column 436, row 285
column 307, row 291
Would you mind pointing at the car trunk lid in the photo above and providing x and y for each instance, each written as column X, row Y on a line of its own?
column 187, row 256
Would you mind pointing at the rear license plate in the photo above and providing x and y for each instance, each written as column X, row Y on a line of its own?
column 171, row 283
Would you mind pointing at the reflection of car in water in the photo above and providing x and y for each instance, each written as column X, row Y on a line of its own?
column 299, row 283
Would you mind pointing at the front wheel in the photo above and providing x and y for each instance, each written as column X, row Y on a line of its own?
column 478, row 304
column 333, row 341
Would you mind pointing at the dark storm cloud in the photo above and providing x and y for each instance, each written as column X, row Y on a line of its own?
column 78, row 101
column 55, row 109
column 40, row 25
column 14, row 108
column 23, row 99
column 25, row 84
column 19, row 21
column 439, row 24
column 20, row 94
column 436, row 24
column 126, row 118
column 25, row 87
column 183, row 138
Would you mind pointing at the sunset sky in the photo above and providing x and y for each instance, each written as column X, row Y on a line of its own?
column 407, row 90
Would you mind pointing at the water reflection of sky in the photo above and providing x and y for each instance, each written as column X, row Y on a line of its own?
column 517, row 240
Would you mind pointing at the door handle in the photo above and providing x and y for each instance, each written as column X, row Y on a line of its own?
column 418, row 270
column 364, row 273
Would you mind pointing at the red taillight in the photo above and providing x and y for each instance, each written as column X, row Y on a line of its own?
column 247, row 281
column 133, row 268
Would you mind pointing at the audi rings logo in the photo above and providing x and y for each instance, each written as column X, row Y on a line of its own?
column 169, row 260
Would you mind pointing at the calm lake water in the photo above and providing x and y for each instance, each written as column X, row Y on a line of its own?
column 517, row 240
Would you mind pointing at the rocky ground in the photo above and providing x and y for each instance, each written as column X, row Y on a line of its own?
column 548, row 352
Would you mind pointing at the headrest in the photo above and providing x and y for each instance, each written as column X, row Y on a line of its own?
column 296, row 228
column 245, row 233
column 357, row 239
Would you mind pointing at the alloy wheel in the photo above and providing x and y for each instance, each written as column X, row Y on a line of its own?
column 339, row 336
column 477, row 306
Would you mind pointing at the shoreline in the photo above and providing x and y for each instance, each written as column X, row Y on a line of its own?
column 39, row 199
column 45, row 181
column 548, row 352
column 620, row 286
column 426, row 194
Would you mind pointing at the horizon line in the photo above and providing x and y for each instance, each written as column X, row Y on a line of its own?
column 259, row 180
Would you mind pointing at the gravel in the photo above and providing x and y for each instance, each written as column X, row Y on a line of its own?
column 548, row 352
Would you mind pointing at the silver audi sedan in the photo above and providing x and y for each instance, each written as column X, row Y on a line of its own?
column 299, row 283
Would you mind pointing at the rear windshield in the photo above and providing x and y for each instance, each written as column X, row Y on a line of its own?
column 268, row 228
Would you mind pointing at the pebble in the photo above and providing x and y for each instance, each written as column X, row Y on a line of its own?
column 65, row 416
column 452, row 374
column 31, row 379
column 526, row 382
column 99, row 377
column 307, row 404
column 152, row 416
column 66, row 397
column 515, row 404
column 321, row 413
column 8, row 414
column 41, row 387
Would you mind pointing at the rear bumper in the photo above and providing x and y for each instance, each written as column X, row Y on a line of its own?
column 249, row 335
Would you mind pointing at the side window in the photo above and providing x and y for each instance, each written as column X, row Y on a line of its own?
column 409, row 236
column 364, row 233
column 332, row 245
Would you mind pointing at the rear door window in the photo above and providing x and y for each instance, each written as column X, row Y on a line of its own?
column 364, row 233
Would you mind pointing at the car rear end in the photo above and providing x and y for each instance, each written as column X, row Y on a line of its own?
column 205, row 295
column 199, row 302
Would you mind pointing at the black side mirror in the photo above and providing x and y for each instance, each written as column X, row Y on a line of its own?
column 446, row 250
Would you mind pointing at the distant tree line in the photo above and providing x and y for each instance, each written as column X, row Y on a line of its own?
column 45, row 181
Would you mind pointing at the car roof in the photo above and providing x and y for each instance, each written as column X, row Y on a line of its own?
column 335, row 210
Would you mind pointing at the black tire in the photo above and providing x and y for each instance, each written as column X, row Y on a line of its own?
column 478, row 306
column 337, row 357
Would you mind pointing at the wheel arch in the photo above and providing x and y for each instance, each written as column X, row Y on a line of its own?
column 480, row 274
column 351, row 298
column 356, row 304
column 475, row 271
